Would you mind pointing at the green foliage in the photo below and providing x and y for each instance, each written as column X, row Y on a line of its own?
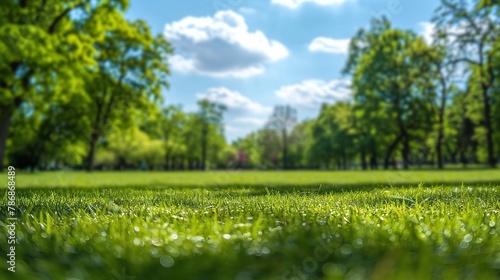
column 75, row 60
column 209, row 124
column 395, row 74
column 332, row 135
column 472, row 31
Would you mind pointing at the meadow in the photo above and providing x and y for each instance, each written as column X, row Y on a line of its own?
column 62, row 179
column 256, row 225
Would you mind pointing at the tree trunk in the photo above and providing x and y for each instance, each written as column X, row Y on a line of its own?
column 442, row 108
column 489, row 130
column 439, row 152
column 344, row 161
column 167, row 162
column 91, row 153
column 373, row 159
column 285, row 146
column 387, row 160
column 463, row 150
column 5, row 118
column 363, row 160
column 204, row 145
column 440, row 138
column 406, row 152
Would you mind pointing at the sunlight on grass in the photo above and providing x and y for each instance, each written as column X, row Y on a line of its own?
column 281, row 232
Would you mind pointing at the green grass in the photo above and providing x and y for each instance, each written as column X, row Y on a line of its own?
column 251, row 178
column 257, row 225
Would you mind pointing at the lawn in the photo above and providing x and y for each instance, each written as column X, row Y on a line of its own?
column 252, row 178
column 256, row 225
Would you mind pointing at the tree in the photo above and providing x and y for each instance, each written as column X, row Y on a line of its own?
column 443, row 70
column 488, row 4
column 333, row 135
column 249, row 146
column 473, row 33
column 40, row 40
column 369, row 116
column 282, row 120
column 210, row 116
column 460, row 139
column 321, row 150
column 130, row 74
column 392, row 69
column 173, row 123
column 300, row 138
column 124, row 140
column 42, row 131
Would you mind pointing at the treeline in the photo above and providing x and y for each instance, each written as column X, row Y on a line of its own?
column 408, row 107
column 166, row 138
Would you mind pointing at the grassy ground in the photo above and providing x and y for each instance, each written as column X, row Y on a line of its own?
column 256, row 225
column 252, row 178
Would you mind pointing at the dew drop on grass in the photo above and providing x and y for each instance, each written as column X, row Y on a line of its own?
column 156, row 242
column 346, row 249
column 197, row 239
column 265, row 251
column 468, row 238
column 153, row 252
column 358, row 243
column 166, row 261
column 138, row 242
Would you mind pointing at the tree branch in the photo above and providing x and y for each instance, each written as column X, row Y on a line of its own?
column 464, row 59
column 56, row 21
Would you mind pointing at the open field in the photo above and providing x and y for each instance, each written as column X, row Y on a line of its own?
column 252, row 178
column 257, row 225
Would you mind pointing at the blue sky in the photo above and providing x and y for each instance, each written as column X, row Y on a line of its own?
column 254, row 54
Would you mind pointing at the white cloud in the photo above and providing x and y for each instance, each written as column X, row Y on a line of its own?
column 221, row 46
column 242, row 116
column 250, row 120
column 313, row 93
column 248, row 11
column 427, row 30
column 329, row 45
column 236, row 103
column 235, row 130
column 294, row 4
